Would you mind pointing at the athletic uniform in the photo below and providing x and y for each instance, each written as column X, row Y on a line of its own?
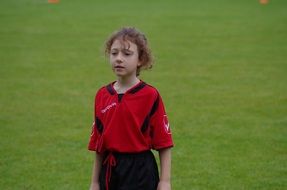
column 127, row 126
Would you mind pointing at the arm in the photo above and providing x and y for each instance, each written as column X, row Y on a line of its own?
column 165, row 169
column 95, row 184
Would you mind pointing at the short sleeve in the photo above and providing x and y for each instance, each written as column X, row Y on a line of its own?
column 93, row 143
column 161, row 132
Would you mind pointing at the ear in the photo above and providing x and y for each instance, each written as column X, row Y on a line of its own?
column 139, row 64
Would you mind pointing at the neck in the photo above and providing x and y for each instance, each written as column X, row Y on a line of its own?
column 123, row 84
column 128, row 81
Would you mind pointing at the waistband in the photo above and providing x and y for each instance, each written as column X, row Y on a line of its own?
column 124, row 154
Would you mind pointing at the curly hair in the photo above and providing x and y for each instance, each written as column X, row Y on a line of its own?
column 135, row 36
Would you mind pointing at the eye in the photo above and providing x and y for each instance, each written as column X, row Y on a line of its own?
column 128, row 53
column 114, row 53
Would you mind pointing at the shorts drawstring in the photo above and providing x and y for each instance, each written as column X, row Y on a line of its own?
column 110, row 161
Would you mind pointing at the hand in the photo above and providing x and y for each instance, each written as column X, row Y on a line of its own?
column 164, row 185
column 95, row 186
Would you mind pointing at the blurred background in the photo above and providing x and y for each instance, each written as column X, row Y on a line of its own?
column 220, row 66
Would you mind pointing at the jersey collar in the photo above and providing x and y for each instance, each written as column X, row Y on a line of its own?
column 133, row 90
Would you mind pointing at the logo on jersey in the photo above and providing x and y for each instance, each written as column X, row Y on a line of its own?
column 166, row 124
column 108, row 107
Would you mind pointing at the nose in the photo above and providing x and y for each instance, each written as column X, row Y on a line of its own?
column 119, row 58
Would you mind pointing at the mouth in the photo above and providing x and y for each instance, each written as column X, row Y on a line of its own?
column 119, row 67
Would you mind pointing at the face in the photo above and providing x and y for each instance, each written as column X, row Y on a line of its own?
column 124, row 58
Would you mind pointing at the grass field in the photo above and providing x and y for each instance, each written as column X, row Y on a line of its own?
column 221, row 67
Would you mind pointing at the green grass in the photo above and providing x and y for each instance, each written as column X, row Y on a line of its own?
column 220, row 66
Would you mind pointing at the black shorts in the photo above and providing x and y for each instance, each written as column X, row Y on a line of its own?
column 137, row 171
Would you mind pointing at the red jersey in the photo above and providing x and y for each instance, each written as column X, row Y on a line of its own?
column 129, row 123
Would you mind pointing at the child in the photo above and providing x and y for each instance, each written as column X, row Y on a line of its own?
column 130, row 120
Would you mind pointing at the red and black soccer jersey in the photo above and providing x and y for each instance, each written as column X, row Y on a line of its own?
column 129, row 123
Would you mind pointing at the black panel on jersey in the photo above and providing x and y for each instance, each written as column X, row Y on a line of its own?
column 120, row 96
column 154, row 106
column 147, row 118
column 99, row 125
